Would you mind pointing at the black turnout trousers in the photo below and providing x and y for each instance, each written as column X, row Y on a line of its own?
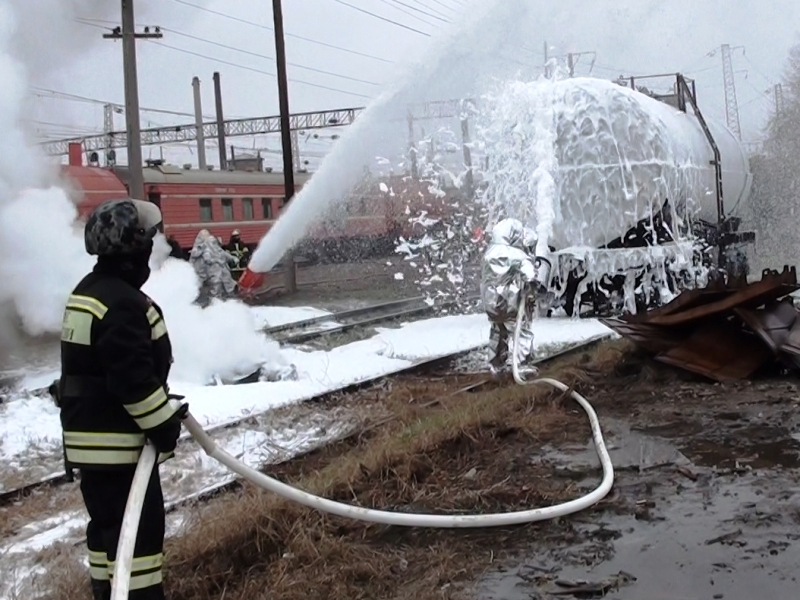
column 105, row 494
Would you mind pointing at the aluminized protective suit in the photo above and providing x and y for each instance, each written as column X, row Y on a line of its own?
column 507, row 270
column 212, row 265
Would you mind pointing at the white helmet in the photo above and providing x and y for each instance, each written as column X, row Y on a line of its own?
column 529, row 239
column 509, row 232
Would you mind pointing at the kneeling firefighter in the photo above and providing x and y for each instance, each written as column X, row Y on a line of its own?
column 508, row 271
column 113, row 394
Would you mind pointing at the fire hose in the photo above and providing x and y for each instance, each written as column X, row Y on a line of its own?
column 122, row 566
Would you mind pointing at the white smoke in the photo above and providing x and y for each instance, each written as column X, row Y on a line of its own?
column 42, row 255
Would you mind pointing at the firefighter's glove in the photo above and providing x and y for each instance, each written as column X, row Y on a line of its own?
column 165, row 437
column 53, row 390
column 183, row 410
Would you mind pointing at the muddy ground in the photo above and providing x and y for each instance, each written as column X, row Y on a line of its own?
column 705, row 502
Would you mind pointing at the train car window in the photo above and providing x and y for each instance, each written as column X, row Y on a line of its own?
column 247, row 209
column 266, row 207
column 205, row 210
column 227, row 209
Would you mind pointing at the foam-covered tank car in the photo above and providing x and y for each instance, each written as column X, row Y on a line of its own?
column 649, row 193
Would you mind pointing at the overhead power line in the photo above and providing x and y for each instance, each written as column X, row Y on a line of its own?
column 395, row 6
column 436, row 10
column 264, row 56
column 240, row 66
column 372, row 14
column 292, row 35
column 56, row 95
column 243, row 51
column 419, row 10
column 254, row 70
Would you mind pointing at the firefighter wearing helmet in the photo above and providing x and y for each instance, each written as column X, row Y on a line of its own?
column 113, row 394
column 508, row 272
column 240, row 252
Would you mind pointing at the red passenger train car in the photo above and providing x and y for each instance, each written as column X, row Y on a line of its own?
column 251, row 202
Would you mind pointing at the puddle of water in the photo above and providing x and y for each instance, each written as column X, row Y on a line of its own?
column 756, row 446
column 670, row 555
column 626, row 447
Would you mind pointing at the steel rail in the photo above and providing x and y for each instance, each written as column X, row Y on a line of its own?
column 56, row 480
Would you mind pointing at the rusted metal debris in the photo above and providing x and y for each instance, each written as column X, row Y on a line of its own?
column 724, row 333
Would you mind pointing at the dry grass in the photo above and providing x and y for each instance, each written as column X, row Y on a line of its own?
column 73, row 578
column 443, row 453
column 40, row 504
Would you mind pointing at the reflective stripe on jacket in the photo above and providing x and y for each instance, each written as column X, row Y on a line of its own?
column 115, row 356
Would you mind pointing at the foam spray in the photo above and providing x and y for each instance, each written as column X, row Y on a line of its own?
column 457, row 66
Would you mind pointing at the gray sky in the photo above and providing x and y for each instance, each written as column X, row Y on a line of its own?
column 630, row 37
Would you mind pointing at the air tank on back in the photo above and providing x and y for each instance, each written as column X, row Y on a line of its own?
column 612, row 156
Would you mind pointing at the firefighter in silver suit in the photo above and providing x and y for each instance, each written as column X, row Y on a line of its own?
column 211, row 263
column 507, row 271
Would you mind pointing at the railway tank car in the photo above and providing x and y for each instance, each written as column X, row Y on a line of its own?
column 643, row 190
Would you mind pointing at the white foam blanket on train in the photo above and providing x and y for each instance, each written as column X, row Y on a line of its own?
column 26, row 420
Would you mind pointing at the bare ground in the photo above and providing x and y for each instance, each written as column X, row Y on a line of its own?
column 705, row 502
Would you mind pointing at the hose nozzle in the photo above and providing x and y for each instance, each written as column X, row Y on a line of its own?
column 250, row 282
column 542, row 267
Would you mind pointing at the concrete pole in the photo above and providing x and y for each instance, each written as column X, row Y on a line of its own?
column 133, row 128
column 198, row 120
column 465, row 141
column 223, row 160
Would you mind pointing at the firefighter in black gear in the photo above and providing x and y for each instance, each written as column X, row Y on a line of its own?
column 241, row 252
column 113, row 395
column 175, row 249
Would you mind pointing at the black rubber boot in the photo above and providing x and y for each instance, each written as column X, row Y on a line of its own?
column 101, row 590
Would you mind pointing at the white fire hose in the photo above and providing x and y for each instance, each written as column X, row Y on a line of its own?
column 121, row 581
column 133, row 509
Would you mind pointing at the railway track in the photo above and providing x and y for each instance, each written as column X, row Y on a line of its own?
column 231, row 481
column 345, row 321
column 57, row 480
column 289, row 333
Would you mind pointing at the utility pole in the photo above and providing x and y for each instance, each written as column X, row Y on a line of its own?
column 412, row 146
column 198, row 120
column 731, row 105
column 129, row 36
column 546, row 74
column 223, row 160
column 465, row 141
column 574, row 57
column 286, row 133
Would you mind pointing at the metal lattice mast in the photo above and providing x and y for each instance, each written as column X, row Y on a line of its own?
column 108, row 129
column 731, row 105
column 779, row 106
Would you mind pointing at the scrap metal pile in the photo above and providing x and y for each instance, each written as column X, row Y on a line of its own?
column 723, row 332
